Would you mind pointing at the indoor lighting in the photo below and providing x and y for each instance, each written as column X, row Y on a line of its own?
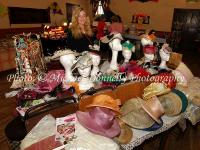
column 99, row 9
column 65, row 24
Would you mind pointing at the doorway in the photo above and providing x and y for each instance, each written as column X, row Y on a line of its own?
column 186, row 29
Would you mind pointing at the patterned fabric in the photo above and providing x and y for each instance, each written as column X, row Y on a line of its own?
column 29, row 59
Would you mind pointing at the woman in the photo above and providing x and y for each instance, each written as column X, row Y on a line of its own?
column 79, row 35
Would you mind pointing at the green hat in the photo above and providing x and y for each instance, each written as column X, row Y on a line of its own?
column 128, row 45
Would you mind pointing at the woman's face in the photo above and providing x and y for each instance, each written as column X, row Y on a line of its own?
column 82, row 18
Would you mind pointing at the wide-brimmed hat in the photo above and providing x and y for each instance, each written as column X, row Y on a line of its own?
column 171, row 103
column 108, row 38
column 134, row 115
column 155, row 89
column 154, row 108
column 83, row 61
column 99, row 120
column 60, row 53
column 105, row 101
column 125, row 135
column 183, row 98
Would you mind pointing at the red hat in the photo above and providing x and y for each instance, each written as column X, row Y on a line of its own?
column 149, row 49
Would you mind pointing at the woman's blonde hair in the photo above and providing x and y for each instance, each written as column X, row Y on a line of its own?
column 76, row 31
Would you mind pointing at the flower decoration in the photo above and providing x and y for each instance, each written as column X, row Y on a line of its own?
column 55, row 8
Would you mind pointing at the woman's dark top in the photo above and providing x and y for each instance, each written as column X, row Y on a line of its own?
column 81, row 44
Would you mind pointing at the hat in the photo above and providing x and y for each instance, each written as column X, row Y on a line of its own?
column 155, row 126
column 106, row 101
column 125, row 135
column 149, row 49
column 134, row 115
column 183, row 98
column 108, row 38
column 155, row 89
column 83, row 61
column 166, row 48
column 100, row 121
column 154, row 108
column 171, row 103
column 60, row 53
column 128, row 46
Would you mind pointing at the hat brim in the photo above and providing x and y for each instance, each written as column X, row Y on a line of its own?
column 150, row 112
column 135, row 116
column 109, row 107
column 58, row 54
column 175, row 102
column 126, row 134
column 86, row 121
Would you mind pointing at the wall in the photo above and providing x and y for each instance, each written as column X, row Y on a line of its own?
column 42, row 4
column 161, row 13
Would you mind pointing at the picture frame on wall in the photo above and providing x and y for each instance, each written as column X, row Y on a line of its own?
column 137, row 19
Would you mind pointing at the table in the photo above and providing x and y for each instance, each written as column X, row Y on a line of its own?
column 139, row 136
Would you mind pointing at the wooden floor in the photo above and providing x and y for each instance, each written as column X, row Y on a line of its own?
column 189, row 140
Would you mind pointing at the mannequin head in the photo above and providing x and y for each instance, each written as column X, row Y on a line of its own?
column 85, row 72
column 84, row 64
column 145, row 40
column 149, row 52
column 95, row 59
column 165, row 52
column 67, row 60
column 148, row 57
column 127, row 54
column 127, row 50
column 164, row 56
column 115, row 44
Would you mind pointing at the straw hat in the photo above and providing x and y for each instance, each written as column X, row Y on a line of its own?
column 60, row 53
column 154, row 108
column 83, row 61
column 155, row 89
column 99, row 120
column 183, row 98
column 134, row 115
column 108, row 38
column 171, row 103
column 126, row 133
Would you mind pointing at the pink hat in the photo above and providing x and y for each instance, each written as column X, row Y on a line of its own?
column 149, row 49
column 100, row 121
